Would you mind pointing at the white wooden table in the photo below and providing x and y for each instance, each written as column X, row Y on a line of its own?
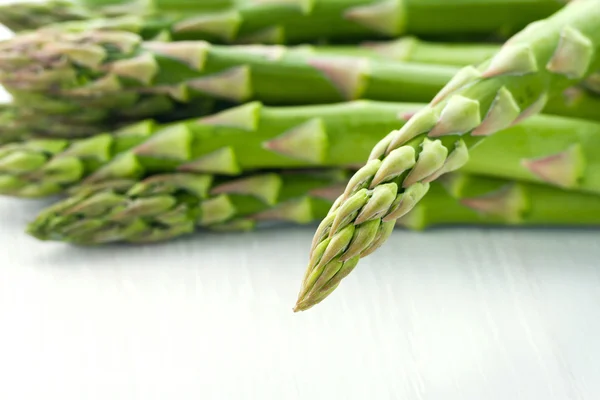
column 467, row 314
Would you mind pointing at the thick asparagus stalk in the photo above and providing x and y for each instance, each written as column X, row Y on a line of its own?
column 543, row 59
column 464, row 199
column 118, row 64
column 248, row 137
column 593, row 83
column 167, row 206
column 299, row 21
column 25, row 16
column 107, row 92
column 412, row 49
column 254, row 136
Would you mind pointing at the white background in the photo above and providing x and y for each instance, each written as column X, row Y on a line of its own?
column 465, row 314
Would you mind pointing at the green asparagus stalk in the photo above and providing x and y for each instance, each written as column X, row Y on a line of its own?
column 248, row 137
column 18, row 124
column 544, row 59
column 464, row 199
column 301, row 21
column 167, row 206
column 593, row 83
column 10, row 130
column 97, row 65
column 27, row 15
column 83, row 117
column 24, row 16
column 254, row 136
column 412, row 49
column 176, row 73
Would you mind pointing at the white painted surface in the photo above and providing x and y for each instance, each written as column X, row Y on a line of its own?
column 452, row 315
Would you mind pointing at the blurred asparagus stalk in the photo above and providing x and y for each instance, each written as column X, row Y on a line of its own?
column 555, row 150
column 288, row 21
column 164, row 207
column 121, row 78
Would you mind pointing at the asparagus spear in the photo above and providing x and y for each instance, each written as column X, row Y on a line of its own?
column 28, row 15
column 25, row 16
column 543, row 59
column 167, row 206
column 413, row 49
column 9, row 126
column 233, row 73
column 254, row 136
column 119, row 65
column 300, row 21
column 593, row 83
column 17, row 124
column 464, row 199
column 250, row 136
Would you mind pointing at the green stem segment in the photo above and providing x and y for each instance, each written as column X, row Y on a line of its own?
column 542, row 60
column 109, row 66
column 167, row 206
column 100, row 85
column 299, row 21
column 556, row 150
column 464, row 199
column 412, row 49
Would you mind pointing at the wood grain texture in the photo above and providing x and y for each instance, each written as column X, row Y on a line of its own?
column 486, row 314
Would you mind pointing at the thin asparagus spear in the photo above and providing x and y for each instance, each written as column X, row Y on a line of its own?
column 254, row 136
column 166, row 206
column 300, row 21
column 544, row 59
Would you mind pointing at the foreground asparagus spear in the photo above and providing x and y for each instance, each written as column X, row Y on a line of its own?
column 543, row 59
column 299, row 21
column 254, row 136
column 167, row 206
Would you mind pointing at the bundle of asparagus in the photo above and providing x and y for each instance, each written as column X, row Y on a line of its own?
column 155, row 121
